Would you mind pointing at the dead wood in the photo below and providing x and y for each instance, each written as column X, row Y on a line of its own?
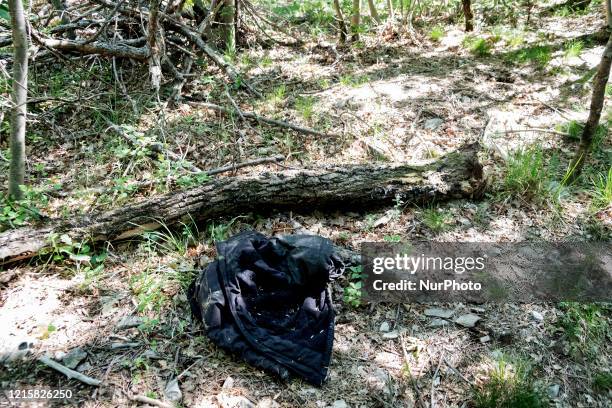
column 457, row 174
column 68, row 372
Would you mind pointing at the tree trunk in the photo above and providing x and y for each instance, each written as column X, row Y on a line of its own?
column 153, row 42
column 469, row 16
column 236, row 22
column 609, row 13
column 391, row 15
column 340, row 20
column 355, row 20
column 227, row 14
column 373, row 11
column 19, row 98
column 457, row 174
column 597, row 100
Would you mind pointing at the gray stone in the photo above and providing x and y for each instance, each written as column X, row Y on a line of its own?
column 340, row 404
column 437, row 312
column 433, row 123
column 267, row 402
column 385, row 327
column 465, row 222
column 229, row 401
column 467, row 320
column 437, row 323
column 485, row 339
column 537, row 316
column 553, row 390
column 378, row 381
column 74, row 357
column 228, row 383
column 172, row 391
column 127, row 322
column 391, row 335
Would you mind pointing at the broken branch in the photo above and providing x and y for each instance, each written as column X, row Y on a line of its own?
column 68, row 372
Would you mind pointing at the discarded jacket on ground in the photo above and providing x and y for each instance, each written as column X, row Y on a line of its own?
column 266, row 299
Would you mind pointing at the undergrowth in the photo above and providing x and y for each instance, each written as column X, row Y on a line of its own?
column 510, row 384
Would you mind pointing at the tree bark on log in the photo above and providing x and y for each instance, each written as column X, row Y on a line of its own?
column 457, row 174
column 97, row 47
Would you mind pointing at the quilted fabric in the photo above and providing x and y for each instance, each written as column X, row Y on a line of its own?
column 266, row 300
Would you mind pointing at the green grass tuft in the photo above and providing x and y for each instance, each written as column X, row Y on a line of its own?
column 436, row 33
column 537, row 54
column 305, row 105
column 586, row 328
column 508, row 386
column 526, row 174
column 573, row 128
column 573, row 49
column 602, row 190
column 478, row 46
column 602, row 382
column 435, row 219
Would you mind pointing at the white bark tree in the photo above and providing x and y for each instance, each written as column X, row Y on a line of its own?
column 19, row 98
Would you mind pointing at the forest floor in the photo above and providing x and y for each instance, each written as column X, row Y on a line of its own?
column 388, row 98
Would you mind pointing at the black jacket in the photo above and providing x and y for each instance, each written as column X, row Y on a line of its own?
column 267, row 301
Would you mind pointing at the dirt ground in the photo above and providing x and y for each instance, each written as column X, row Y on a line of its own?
column 391, row 99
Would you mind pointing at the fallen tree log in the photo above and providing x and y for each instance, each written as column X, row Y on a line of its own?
column 457, row 174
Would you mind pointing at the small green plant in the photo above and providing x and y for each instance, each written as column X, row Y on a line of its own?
column 305, row 105
column 392, row 238
column 478, row 46
column 602, row 190
column 352, row 293
column 16, row 213
column 220, row 231
column 148, row 287
column 526, row 174
column 168, row 241
column 602, row 382
column 573, row 49
column 538, row 54
column 266, row 61
column 586, row 327
column 435, row 219
column 573, row 129
column 436, row 33
column 278, row 95
column 510, row 385
column 148, row 325
column 192, row 180
column 354, row 81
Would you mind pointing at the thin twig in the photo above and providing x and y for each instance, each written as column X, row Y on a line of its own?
column 68, row 372
column 433, row 381
column 454, row 370
column 151, row 401
column 541, row 130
